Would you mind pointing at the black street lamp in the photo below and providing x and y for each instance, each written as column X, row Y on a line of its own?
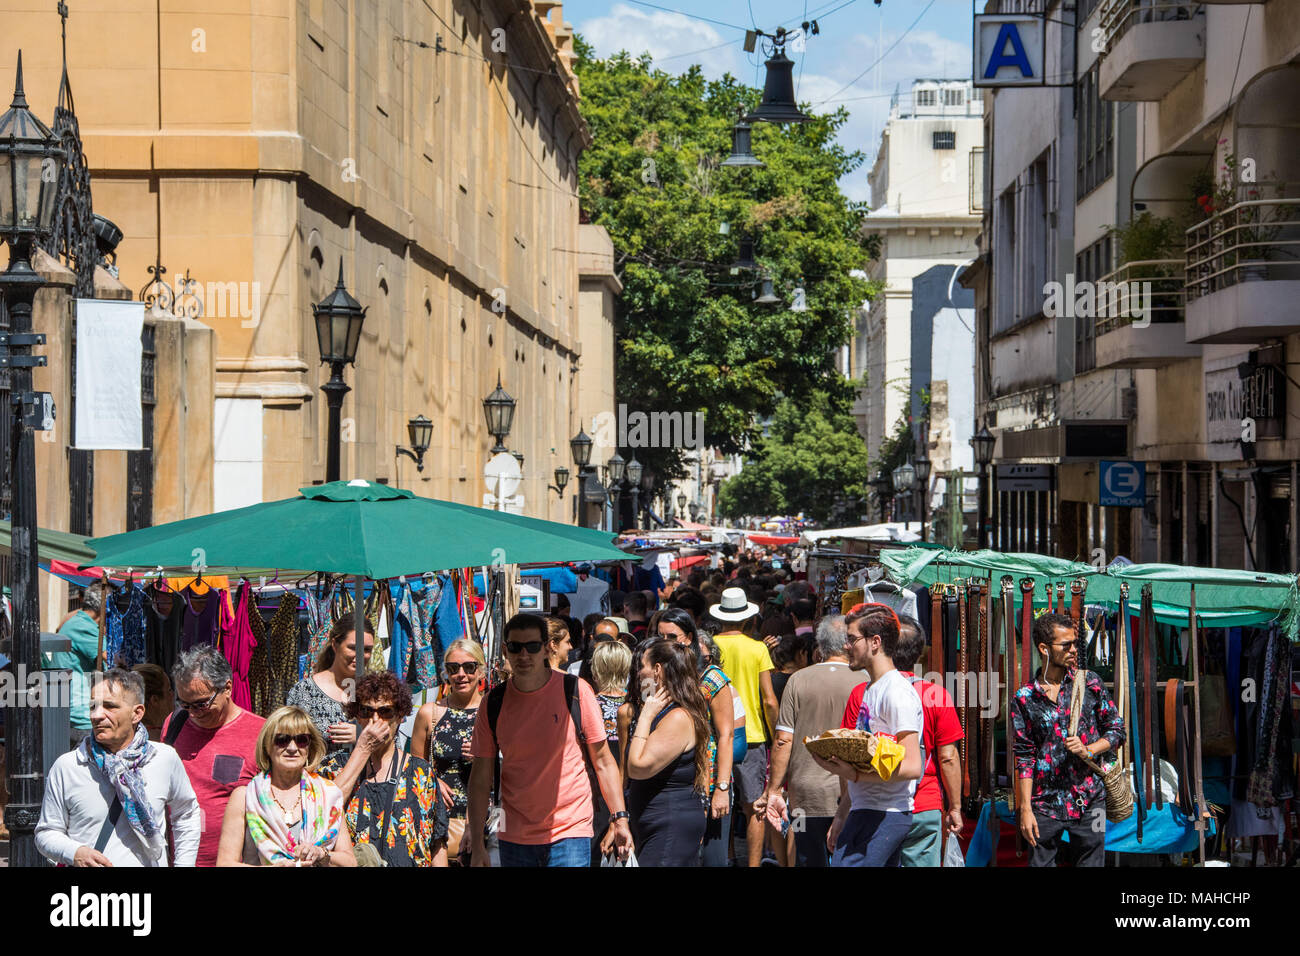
column 617, row 467
column 420, row 432
column 338, row 333
column 922, row 466
column 982, row 443
column 681, row 505
column 634, row 470
column 499, row 409
column 30, row 163
column 580, row 448
column 904, row 478
column 561, row 480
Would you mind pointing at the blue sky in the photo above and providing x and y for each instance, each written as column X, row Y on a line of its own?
column 852, row 38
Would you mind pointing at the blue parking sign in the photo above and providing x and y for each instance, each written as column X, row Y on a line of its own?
column 1122, row 484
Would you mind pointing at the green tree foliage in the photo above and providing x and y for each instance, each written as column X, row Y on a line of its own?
column 812, row 460
column 689, row 336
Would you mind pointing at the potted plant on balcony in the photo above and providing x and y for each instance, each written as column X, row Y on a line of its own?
column 1243, row 233
column 1147, row 239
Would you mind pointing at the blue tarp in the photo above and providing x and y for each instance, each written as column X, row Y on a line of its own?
column 1163, row 831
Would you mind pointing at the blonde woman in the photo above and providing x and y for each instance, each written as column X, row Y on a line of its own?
column 286, row 815
column 611, row 663
column 442, row 734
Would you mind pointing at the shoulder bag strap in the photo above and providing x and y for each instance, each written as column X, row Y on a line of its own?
column 114, row 812
column 174, row 728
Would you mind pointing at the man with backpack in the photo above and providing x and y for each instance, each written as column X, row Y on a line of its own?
column 541, row 721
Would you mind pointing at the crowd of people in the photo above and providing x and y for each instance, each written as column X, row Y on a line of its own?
column 668, row 732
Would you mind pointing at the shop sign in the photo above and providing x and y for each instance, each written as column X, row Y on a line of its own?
column 1008, row 50
column 1025, row 477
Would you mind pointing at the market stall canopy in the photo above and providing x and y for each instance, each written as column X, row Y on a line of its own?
column 771, row 540
column 889, row 531
column 1224, row 597
column 52, row 545
column 353, row 528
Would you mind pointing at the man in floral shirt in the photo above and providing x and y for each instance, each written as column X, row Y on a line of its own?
column 1058, row 792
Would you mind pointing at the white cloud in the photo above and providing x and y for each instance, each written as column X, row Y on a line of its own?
column 666, row 37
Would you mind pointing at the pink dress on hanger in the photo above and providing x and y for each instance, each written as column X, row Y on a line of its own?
column 237, row 643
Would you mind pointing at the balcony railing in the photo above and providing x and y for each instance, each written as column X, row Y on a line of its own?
column 1253, row 240
column 1154, row 287
column 1119, row 16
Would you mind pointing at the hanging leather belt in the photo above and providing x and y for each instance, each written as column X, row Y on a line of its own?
column 1051, row 606
column 1009, row 669
column 1149, row 691
column 1186, row 756
column 1134, row 737
column 1077, row 588
column 936, row 632
column 1171, row 720
column 951, row 632
column 1026, row 630
column 988, row 688
column 975, row 663
column 961, row 693
column 1060, row 599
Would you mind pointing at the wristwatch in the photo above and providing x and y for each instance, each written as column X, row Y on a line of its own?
column 620, row 815
column 724, row 787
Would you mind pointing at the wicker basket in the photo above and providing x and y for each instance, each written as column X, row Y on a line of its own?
column 855, row 747
column 1119, row 795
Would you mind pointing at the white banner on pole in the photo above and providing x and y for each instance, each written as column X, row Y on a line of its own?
column 108, row 374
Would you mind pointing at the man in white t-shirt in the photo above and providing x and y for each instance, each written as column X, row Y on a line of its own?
column 871, row 824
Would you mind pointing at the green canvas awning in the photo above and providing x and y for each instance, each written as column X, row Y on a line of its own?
column 1224, row 597
column 52, row 545
column 352, row 528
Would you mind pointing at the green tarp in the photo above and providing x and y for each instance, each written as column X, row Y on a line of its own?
column 1224, row 597
column 52, row 545
column 353, row 528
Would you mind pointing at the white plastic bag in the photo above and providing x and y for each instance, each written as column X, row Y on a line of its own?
column 611, row 859
column 953, row 855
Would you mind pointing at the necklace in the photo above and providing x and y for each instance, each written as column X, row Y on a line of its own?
column 287, row 811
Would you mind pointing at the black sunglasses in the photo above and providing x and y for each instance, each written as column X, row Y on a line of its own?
column 199, row 704
column 455, row 667
column 532, row 647
column 365, row 711
column 301, row 741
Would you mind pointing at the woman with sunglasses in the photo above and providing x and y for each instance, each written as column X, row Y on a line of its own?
column 322, row 695
column 286, row 815
column 443, row 730
column 394, row 812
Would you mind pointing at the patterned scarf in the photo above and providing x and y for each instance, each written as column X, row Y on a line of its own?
column 123, row 771
column 322, row 809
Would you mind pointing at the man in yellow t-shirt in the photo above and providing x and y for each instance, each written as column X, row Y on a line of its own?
column 746, row 661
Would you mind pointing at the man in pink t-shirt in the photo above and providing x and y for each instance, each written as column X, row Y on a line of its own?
column 545, row 791
column 217, row 742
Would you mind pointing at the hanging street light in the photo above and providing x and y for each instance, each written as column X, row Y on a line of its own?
column 768, row 297
column 778, row 104
column 922, row 466
column 742, row 154
column 30, row 166
column 499, row 410
column 420, row 432
column 633, row 472
column 338, row 333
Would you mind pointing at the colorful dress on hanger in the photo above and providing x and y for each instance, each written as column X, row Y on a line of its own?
column 237, row 643
column 124, row 628
column 320, row 618
column 274, row 666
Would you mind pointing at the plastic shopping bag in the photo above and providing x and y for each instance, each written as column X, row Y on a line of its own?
column 953, row 855
column 611, row 859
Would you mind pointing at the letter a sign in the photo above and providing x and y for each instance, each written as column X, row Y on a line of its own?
column 1008, row 50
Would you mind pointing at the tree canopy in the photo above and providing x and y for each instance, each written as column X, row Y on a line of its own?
column 690, row 337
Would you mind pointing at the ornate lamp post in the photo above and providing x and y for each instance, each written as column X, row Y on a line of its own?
column 580, row 448
column 338, row 333
column 420, row 432
column 982, row 443
column 922, row 466
column 633, row 473
column 904, row 478
column 499, row 410
column 561, row 481
column 30, row 160
column 617, row 467
column 681, row 505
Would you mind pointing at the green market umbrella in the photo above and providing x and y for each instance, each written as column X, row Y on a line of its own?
column 354, row 528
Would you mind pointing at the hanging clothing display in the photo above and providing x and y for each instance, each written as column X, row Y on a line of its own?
column 163, row 620
column 1270, row 781
column 273, row 669
column 124, row 627
column 204, row 614
column 319, row 618
column 237, row 643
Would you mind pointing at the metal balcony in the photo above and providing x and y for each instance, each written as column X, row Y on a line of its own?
column 1148, row 47
column 1125, row 340
column 1243, row 272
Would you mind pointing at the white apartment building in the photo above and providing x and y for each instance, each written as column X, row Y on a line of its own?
column 926, row 198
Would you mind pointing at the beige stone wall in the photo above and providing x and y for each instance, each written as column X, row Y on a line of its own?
column 256, row 143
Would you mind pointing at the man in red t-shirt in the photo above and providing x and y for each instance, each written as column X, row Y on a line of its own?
column 941, row 735
column 217, row 743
